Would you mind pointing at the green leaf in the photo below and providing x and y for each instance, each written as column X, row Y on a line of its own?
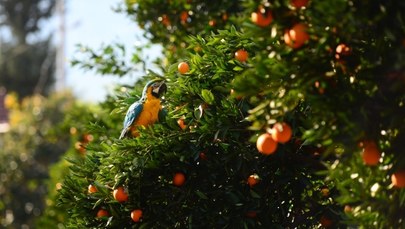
column 207, row 96
column 201, row 195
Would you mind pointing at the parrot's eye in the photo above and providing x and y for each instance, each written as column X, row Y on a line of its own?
column 158, row 89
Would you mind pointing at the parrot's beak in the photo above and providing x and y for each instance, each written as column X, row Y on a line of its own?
column 160, row 89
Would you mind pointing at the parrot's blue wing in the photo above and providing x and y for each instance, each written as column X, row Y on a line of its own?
column 133, row 112
column 162, row 114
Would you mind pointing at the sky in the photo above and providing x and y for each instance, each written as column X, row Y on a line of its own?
column 94, row 23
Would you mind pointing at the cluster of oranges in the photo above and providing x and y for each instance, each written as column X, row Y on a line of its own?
column 371, row 156
column 281, row 132
column 80, row 145
column 294, row 37
column 121, row 195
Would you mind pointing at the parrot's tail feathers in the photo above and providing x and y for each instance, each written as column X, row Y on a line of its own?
column 123, row 133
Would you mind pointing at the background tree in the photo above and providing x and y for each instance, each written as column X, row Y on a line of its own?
column 36, row 140
column 26, row 59
column 333, row 71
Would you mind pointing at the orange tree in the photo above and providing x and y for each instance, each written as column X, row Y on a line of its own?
column 331, row 73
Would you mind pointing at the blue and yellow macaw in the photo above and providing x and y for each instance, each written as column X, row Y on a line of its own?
column 146, row 110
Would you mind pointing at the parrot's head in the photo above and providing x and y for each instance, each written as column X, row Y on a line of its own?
column 156, row 88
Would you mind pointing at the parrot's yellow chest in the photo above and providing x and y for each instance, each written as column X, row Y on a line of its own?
column 150, row 112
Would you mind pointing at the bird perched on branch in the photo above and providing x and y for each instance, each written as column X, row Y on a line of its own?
column 146, row 110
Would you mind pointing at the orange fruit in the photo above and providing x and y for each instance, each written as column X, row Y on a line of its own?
column 325, row 192
column 179, row 179
column 183, row 16
column 73, row 130
column 183, row 67
column 136, row 215
column 347, row 209
column 225, row 16
column 251, row 214
column 299, row 3
column 80, row 146
column 296, row 36
column 102, row 213
column 342, row 50
column 92, row 188
column 398, row 179
column 325, row 221
column 253, row 180
column 212, row 23
column 241, row 55
column 87, row 138
column 265, row 144
column 281, row 132
column 261, row 18
column 203, row 156
column 165, row 20
column 320, row 88
column 120, row 194
column 181, row 123
column 371, row 154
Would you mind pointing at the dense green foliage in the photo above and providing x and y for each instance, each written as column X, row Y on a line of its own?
column 339, row 90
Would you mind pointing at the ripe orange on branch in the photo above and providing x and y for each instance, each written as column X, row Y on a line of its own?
column 296, row 36
column 120, row 194
column 262, row 17
column 342, row 50
column 265, row 144
column 371, row 154
column 398, row 179
column 102, row 213
column 299, row 3
column 181, row 123
column 183, row 67
column 92, row 188
column 253, row 180
column 241, row 55
column 183, row 16
column 325, row 221
column 136, row 215
column 281, row 132
column 179, row 179
column 165, row 20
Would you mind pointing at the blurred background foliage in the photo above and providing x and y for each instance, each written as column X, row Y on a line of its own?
column 27, row 60
column 37, row 138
